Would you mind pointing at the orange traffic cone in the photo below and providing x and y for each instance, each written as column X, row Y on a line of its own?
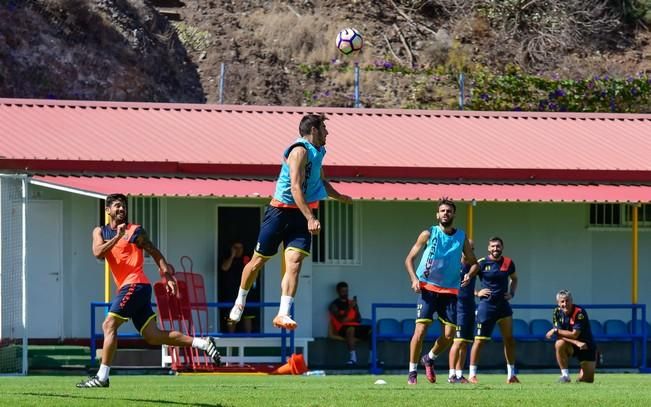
column 295, row 365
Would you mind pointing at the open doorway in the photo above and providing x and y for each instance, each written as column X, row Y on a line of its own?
column 237, row 232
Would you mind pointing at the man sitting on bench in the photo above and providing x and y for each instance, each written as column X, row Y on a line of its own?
column 345, row 321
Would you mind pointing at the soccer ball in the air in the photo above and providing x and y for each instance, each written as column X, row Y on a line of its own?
column 349, row 40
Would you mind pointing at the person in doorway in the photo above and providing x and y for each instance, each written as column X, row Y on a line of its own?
column 498, row 285
column 289, row 218
column 437, row 280
column 573, row 338
column 230, row 275
column 346, row 321
column 122, row 244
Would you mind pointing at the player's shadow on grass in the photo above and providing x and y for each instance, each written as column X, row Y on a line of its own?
column 74, row 396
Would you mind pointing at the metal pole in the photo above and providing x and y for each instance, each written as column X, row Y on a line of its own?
column 24, row 271
column 462, row 81
column 107, row 270
column 634, row 283
column 374, row 367
column 471, row 220
column 221, row 83
column 357, row 103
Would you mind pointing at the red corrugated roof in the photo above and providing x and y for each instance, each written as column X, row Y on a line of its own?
column 231, row 188
column 214, row 139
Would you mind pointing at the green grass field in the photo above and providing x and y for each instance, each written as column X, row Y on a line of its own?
column 262, row 391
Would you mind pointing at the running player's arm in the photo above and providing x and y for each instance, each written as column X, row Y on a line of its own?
column 409, row 261
column 332, row 192
column 296, row 161
column 143, row 242
column 471, row 259
column 100, row 247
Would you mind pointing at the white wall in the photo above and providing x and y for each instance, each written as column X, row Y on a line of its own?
column 550, row 244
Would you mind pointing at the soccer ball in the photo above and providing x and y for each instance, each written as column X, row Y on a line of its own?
column 349, row 40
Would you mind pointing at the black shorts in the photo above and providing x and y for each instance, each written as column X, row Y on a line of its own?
column 283, row 225
column 444, row 305
column 585, row 355
column 133, row 301
column 488, row 315
column 361, row 331
column 465, row 322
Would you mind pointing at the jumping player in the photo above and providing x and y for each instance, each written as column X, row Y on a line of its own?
column 289, row 218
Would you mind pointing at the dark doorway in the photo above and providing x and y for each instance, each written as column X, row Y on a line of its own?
column 237, row 232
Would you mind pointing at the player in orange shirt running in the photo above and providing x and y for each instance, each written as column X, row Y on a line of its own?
column 122, row 244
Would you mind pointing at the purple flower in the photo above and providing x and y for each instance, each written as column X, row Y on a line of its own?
column 553, row 106
column 315, row 97
column 387, row 65
column 560, row 93
column 629, row 79
column 606, row 77
column 326, row 93
column 633, row 91
column 590, row 84
column 517, row 109
column 603, row 94
column 483, row 97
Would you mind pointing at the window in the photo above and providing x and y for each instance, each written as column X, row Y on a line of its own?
column 144, row 211
column 605, row 215
column 618, row 215
column 338, row 242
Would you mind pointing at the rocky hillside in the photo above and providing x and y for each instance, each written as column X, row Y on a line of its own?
column 282, row 52
column 93, row 50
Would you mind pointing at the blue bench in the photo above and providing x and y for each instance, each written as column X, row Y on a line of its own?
column 635, row 331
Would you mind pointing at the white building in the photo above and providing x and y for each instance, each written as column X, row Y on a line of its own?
column 558, row 188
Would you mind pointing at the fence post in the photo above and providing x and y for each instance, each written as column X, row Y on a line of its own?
column 462, row 85
column 374, row 368
column 221, row 83
column 357, row 102
column 93, row 349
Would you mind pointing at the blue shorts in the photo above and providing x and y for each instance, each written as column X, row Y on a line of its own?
column 429, row 302
column 283, row 225
column 465, row 322
column 488, row 314
column 133, row 301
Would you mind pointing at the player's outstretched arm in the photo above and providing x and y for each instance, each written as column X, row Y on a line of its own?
column 413, row 253
column 165, row 269
column 100, row 247
column 333, row 193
